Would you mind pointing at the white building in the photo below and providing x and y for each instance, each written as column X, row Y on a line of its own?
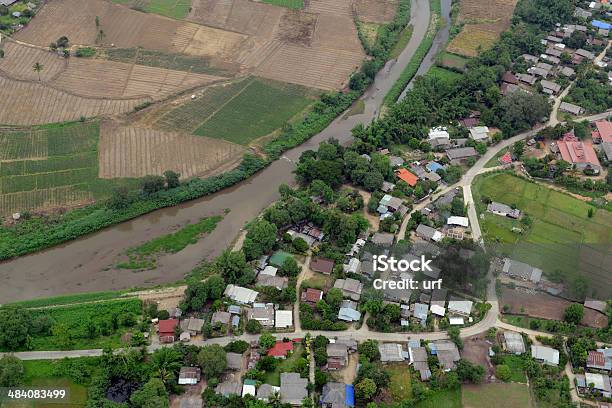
column 284, row 319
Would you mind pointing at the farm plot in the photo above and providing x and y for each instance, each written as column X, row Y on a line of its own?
column 376, row 11
column 297, row 27
column 562, row 239
column 34, row 104
column 336, row 7
column 242, row 16
column 544, row 306
column 484, row 22
column 331, row 28
column 137, row 152
column 497, row 395
column 177, row 9
column 49, row 167
column 19, row 59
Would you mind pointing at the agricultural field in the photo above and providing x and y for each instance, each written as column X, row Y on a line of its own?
column 562, row 240
column 238, row 112
column 483, row 22
column 449, row 60
column 49, row 167
column 443, row 74
column 177, row 9
column 292, row 4
column 497, row 395
column 137, row 152
column 376, row 11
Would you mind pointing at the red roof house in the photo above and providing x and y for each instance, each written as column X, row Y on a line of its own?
column 322, row 265
column 281, row 349
column 311, row 295
column 506, row 158
column 407, row 176
column 579, row 154
column 603, row 133
column 166, row 327
column 510, row 78
column 596, row 359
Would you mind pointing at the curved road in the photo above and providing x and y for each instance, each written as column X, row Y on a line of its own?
column 87, row 264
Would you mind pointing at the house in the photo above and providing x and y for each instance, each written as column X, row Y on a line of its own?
column 185, row 337
column 603, row 132
column 549, row 87
column 165, row 329
column 396, row 161
column 571, row 108
column 349, row 314
column 433, row 166
column 281, row 349
column 337, row 395
column 521, row 270
column 438, row 298
column 192, row 326
column 175, row 312
column 582, row 13
column 269, row 270
column 217, row 318
column 460, row 306
column 600, row 359
column 420, row 311
column 437, row 310
column 503, row 210
column 537, row 71
column 235, row 321
column 407, row 176
column 580, row 154
column 447, row 353
column 509, row 78
column 383, row 239
column 248, row 388
column 585, row 54
column 554, row 39
column 607, row 149
column 311, row 295
column 390, row 352
column 229, row 388
column 530, row 58
column 240, row 295
column 460, row 155
column 293, row 389
column 387, row 187
column 8, row 2
column 568, row 72
column 428, row 233
column 439, row 134
column 513, row 342
column 351, row 288
column 390, row 203
column 352, row 266
column 337, row 356
column 265, row 391
column 506, row 159
column 456, row 321
column 278, row 282
column 599, row 382
column 479, row 134
column 189, row 376
column 550, row 51
column 234, row 309
column 418, row 360
column 234, row 361
column 263, row 313
column 460, row 221
column 546, row 355
column 283, row 319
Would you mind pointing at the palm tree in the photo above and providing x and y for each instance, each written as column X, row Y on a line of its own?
column 38, row 67
column 166, row 362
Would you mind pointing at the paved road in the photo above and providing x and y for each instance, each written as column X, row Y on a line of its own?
column 88, row 264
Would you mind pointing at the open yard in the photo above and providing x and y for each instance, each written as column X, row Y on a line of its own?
column 476, row 350
column 497, row 395
column 52, row 166
column 400, row 387
column 562, row 240
column 238, row 112
column 483, row 23
column 544, row 306
column 286, row 365
column 442, row 399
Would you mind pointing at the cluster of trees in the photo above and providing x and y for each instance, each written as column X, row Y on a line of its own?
column 591, row 90
column 323, row 315
column 199, row 293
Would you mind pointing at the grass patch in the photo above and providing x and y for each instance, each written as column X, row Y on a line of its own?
column 442, row 399
column 443, row 74
column 286, row 365
column 143, row 257
column 402, row 42
column 357, row 109
column 292, row 4
column 400, row 385
column 69, row 299
column 51, row 166
column 496, row 395
column 517, row 367
column 561, row 239
column 177, row 9
column 450, row 60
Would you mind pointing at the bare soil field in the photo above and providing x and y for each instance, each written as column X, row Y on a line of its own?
column 335, row 7
column 34, row 104
column 544, row 306
column 137, row 152
column 484, row 22
column 19, row 59
column 330, row 28
column 476, row 350
column 297, row 27
column 376, row 11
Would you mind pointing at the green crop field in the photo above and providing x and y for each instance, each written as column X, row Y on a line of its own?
column 497, row 395
column 442, row 399
column 443, row 74
column 239, row 112
column 562, row 239
column 177, row 9
column 294, row 4
column 50, row 166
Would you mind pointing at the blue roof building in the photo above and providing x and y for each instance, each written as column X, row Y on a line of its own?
column 601, row 24
column 434, row 166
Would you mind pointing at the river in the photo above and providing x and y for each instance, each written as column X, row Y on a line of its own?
column 87, row 264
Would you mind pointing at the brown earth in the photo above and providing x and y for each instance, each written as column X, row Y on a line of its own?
column 297, row 27
column 544, row 306
column 476, row 351
column 137, row 152
column 376, row 11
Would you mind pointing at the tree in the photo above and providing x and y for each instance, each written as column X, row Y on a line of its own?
column 290, row 267
column 454, row 335
column 266, row 341
column 152, row 184
column 334, row 297
column 369, row 350
column 574, row 313
column 518, row 148
column 234, row 268
column 470, row 372
column 365, row 389
column 253, row 327
column 172, row 178
column 152, row 395
column 166, row 364
column 119, row 199
column 15, row 325
column 300, row 245
column 503, row 372
column 62, row 42
column 260, row 239
column 38, row 68
column 12, row 371
column 212, row 360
